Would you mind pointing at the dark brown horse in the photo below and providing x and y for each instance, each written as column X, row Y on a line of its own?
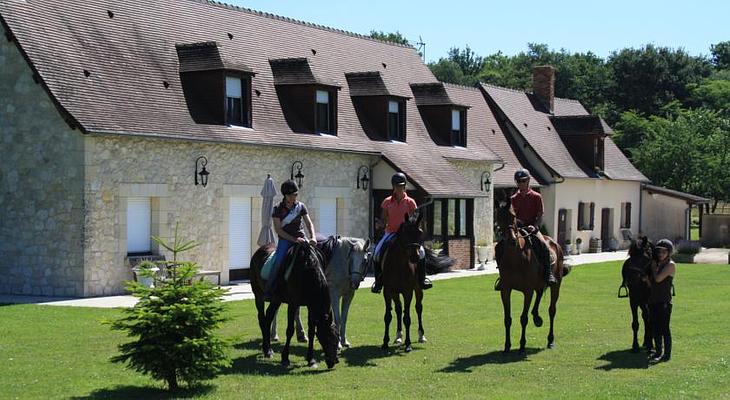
column 633, row 277
column 519, row 269
column 399, row 279
column 306, row 286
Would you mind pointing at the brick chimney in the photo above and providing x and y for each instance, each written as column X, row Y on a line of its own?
column 543, row 85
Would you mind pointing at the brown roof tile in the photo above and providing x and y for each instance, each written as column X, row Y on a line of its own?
column 205, row 56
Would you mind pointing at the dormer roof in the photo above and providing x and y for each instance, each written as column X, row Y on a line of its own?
column 296, row 71
column 206, row 56
column 433, row 94
column 371, row 83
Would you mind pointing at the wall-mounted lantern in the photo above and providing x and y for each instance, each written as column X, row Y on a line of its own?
column 299, row 176
column 485, row 182
column 362, row 177
column 202, row 161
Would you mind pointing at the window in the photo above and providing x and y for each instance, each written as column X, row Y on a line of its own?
column 327, row 217
column 586, row 219
column 437, row 218
column 139, row 221
column 625, row 215
column 237, row 103
column 396, row 120
column 239, row 232
column 458, row 128
column 452, row 218
column 325, row 112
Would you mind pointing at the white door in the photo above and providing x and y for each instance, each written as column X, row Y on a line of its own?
column 138, row 224
column 239, row 233
column 327, row 217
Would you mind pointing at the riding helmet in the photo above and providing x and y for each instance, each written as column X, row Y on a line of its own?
column 398, row 179
column 522, row 174
column 666, row 244
column 289, row 187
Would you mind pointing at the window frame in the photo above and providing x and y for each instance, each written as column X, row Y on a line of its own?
column 460, row 139
column 586, row 216
column 625, row 215
column 400, row 124
column 459, row 231
column 246, row 114
column 331, row 111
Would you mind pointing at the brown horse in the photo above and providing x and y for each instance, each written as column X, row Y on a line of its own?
column 306, row 286
column 399, row 279
column 633, row 277
column 519, row 269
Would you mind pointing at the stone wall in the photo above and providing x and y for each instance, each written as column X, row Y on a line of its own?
column 119, row 167
column 462, row 251
column 483, row 225
column 41, row 187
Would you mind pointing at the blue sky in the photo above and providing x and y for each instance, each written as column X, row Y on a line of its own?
column 508, row 25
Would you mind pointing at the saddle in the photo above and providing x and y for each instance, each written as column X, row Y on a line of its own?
column 326, row 247
column 533, row 242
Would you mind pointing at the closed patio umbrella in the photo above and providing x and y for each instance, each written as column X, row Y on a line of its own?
column 267, row 193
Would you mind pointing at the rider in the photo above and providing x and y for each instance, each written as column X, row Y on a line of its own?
column 660, row 299
column 288, row 217
column 528, row 208
column 394, row 209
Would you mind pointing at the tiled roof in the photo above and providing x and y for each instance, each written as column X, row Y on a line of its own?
column 690, row 198
column 370, row 83
column 580, row 125
column 296, row 71
column 432, row 94
column 204, row 57
column 114, row 68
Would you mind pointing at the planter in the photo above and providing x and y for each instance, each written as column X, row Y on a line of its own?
column 148, row 282
column 573, row 249
column 482, row 256
column 578, row 248
column 566, row 249
column 684, row 258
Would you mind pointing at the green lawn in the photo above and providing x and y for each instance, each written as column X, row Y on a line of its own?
column 62, row 352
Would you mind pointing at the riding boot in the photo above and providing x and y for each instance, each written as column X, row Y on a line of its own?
column 377, row 272
column 423, row 282
column 549, row 277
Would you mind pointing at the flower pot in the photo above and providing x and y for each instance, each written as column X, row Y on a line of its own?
column 482, row 254
column 146, row 281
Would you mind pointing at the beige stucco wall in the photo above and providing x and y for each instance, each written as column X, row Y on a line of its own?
column 483, row 213
column 605, row 193
column 119, row 167
column 663, row 217
column 41, row 187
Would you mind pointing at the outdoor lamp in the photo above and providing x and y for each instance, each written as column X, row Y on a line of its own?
column 362, row 177
column 203, row 173
column 485, row 182
column 299, row 176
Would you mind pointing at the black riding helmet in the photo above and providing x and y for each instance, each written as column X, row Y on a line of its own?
column 521, row 175
column 289, row 187
column 665, row 244
column 398, row 179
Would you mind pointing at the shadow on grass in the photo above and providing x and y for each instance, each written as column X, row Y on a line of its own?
column 146, row 392
column 624, row 359
column 256, row 364
column 467, row 364
column 363, row 356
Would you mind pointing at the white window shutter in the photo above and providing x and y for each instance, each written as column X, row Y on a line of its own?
column 239, row 233
column 138, row 224
column 327, row 217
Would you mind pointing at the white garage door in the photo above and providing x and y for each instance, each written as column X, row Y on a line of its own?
column 138, row 224
column 239, row 233
column 327, row 217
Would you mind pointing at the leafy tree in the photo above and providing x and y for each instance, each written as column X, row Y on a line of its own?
column 469, row 62
column 448, row 71
column 173, row 323
column 713, row 93
column 721, row 55
column 396, row 37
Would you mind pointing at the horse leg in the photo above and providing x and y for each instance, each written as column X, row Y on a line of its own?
column 274, row 335
column 407, row 319
column 335, row 303
column 648, row 342
column 311, row 325
column 419, row 312
column 387, row 318
column 524, row 318
column 634, row 325
column 346, row 301
column 506, row 293
column 301, row 336
column 261, row 314
column 398, row 319
column 291, row 314
column 554, row 294
column 536, row 319
column 265, row 328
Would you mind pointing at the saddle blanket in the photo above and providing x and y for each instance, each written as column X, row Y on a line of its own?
column 269, row 265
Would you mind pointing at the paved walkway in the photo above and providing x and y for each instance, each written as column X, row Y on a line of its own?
column 242, row 290
column 712, row 256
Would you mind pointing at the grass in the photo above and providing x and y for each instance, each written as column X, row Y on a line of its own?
column 63, row 352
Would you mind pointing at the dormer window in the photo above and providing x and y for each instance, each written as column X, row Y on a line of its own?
column 237, row 101
column 325, row 112
column 444, row 117
column 396, row 120
column 458, row 127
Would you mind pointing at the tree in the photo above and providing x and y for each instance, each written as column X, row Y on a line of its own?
column 396, row 37
column 721, row 55
column 460, row 67
column 173, row 324
column 713, row 93
column 448, row 71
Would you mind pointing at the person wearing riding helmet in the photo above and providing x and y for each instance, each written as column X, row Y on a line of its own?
column 288, row 217
column 393, row 212
column 528, row 207
column 660, row 300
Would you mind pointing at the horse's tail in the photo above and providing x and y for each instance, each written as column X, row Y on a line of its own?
column 436, row 263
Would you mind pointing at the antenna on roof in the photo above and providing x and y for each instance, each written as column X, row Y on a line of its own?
column 421, row 48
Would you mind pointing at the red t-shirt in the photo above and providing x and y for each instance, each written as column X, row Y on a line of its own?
column 528, row 206
column 397, row 211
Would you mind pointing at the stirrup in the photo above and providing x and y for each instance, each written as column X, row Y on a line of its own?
column 377, row 287
column 426, row 284
column 498, row 284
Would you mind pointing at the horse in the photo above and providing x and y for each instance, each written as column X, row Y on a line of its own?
column 399, row 279
column 344, row 272
column 306, row 286
column 519, row 269
column 634, row 273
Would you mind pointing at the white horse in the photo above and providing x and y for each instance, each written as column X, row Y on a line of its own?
column 344, row 272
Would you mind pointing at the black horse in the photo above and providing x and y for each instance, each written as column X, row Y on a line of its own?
column 306, row 286
column 634, row 275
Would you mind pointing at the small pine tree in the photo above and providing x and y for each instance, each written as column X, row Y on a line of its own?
column 173, row 323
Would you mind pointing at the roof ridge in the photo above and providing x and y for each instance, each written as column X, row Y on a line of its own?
column 458, row 86
column 217, row 3
column 503, row 88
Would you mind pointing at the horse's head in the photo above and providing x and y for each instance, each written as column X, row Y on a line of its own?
column 328, row 336
column 356, row 259
column 506, row 221
column 410, row 236
column 640, row 258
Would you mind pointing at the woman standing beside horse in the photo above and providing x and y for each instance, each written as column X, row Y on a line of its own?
column 660, row 300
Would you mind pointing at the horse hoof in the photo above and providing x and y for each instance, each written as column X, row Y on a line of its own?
column 313, row 364
column 302, row 339
column 384, row 347
column 538, row 321
column 506, row 350
column 275, row 338
column 269, row 354
column 346, row 344
column 285, row 363
column 635, row 349
column 409, row 348
column 551, row 345
column 523, row 350
column 398, row 341
column 422, row 339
